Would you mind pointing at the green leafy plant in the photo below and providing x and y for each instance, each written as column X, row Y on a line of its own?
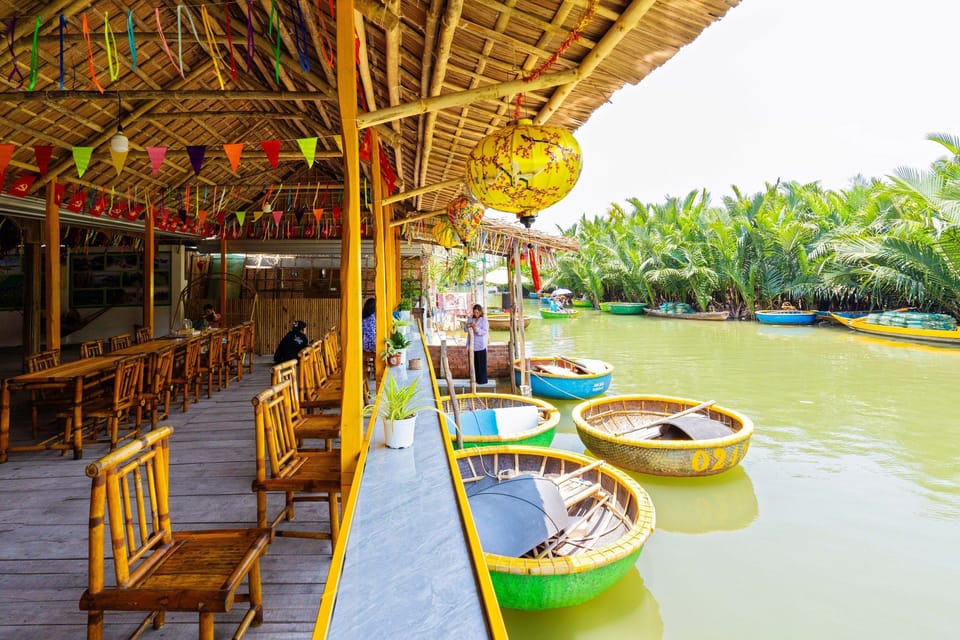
column 398, row 341
column 405, row 305
column 388, row 351
column 398, row 402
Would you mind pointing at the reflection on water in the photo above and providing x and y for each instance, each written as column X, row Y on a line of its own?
column 848, row 500
column 626, row 610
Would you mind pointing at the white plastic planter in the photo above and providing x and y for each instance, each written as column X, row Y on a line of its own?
column 399, row 433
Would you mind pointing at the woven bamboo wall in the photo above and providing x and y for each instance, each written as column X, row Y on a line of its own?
column 274, row 317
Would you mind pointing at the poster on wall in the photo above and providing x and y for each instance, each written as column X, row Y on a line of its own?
column 115, row 279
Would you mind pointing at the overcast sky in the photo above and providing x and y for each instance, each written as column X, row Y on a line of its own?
column 794, row 89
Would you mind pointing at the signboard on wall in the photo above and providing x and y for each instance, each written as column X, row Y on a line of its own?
column 115, row 279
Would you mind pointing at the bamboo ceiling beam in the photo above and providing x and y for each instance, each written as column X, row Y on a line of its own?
column 422, row 216
column 553, row 27
column 192, row 115
column 426, row 65
column 19, row 97
column 392, row 63
column 427, row 189
column 629, row 19
column 447, row 100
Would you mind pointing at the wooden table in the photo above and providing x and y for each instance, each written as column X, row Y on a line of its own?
column 76, row 374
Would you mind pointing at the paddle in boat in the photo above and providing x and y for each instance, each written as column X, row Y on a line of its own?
column 558, row 313
column 785, row 316
column 683, row 311
column 499, row 418
column 566, row 378
column 935, row 328
column 662, row 435
column 556, row 528
column 625, row 308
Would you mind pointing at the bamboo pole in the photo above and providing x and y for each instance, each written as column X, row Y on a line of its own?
column 659, row 421
column 422, row 216
column 166, row 95
column 451, row 391
column 350, row 283
column 629, row 19
column 149, row 255
column 51, row 235
column 456, row 182
column 380, row 257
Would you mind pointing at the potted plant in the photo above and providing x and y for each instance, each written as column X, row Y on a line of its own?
column 400, row 343
column 398, row 410
column 403, row 310
column 390, row 355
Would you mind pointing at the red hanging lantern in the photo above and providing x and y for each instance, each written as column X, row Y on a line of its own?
column 524, row 168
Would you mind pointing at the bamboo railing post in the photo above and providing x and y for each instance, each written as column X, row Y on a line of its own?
column 451, row 391
column 470, row 363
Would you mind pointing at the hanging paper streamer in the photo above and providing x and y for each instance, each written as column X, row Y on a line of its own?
column 22, row 185
column 86, row 36
column 196, row 153
column 34, row 58
column 131, row 41
column 250, row 47
column 300, row 36
column 6, row 152
column 272, row 149
column 63, row 25
column 233, row 60
column 308, row 147
column 275, row 19
column 211, row 42
column 156, row 154
column 42, row 152
column 81, row 158
column 11, row 28
column 163, row 42
column 110, row 45
column 58, row 193
column 233, row 152
column 118, row 158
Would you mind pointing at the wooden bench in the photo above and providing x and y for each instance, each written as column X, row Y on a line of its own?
column 301, row 476
column 156, row 568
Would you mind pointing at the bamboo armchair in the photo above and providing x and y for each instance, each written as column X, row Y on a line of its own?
column 248, row 343
column 301, row 476
column 39, row 362
column 233, row 358
column 121, row 341
column 156, row 390
column 186, row 373
column 143, row 334
column 91, row 348
column 157, row 569
column 212, row 364
column 114, row 407
column 318, row 426
column 314, row 392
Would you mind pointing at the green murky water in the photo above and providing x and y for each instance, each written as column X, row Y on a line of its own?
column 843, row 520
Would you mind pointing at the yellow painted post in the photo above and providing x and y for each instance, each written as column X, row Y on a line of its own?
column 380, row 231
column 392, row 252
column 149, row 254
column 51, row 235
column 350, row 284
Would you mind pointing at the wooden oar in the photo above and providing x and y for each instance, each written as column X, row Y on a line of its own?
column 659, row 421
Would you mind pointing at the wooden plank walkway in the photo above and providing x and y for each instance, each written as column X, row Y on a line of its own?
column 44, row 499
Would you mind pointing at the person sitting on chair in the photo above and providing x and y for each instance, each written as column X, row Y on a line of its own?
column 210, row 318
column 292, row 343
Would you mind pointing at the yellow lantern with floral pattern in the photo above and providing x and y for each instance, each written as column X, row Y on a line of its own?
column 524, row 168
column 465, row 216
column 444, row 234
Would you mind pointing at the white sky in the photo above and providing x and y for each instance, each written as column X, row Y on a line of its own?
column 794, row 89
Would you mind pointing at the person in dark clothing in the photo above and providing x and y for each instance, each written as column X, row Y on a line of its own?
column 292, row 343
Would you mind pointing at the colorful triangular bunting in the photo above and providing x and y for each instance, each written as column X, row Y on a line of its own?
column 308, row 147
column 81, row 158
column 272, row 149
column 196, row 153
column 157, row 154
column 42, row 153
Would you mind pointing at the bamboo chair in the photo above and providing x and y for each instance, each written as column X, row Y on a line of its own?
column 156, row 390
column 185, row 373
column 211, row 363
column 39, row 362
column 157, row 569
column 233, row 357
column 121, row 341
column 247, row 343
column 91, row 348
column 313, row 394
column 143, row 334
column 318, row 426
column 115, row 407
column 301, row 476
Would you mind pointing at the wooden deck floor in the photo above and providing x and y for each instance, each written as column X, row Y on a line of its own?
column 44, row 500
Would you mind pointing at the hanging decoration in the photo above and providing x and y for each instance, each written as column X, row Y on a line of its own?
column 6, row 152
column 465, row 216
column 196, row 154
column 156, row 154
column 308, row 147
column 81, row 158
column 42, row 153
column 272, row 149
column 524, row 168
column 21, row 185
column 444, row 234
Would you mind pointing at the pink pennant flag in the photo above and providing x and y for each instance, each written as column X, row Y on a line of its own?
column 233, row 153
column 308, row 147
column 196, row 153
column 42, row 152
column 272, row 149
column 157, row 154
column 277, row 217
column 81, row 158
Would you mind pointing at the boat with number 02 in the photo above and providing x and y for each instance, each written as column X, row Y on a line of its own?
column 597, row 527
column 488, row 419
column 663, row 435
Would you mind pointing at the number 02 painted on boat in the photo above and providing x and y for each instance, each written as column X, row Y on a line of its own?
column 717, row 459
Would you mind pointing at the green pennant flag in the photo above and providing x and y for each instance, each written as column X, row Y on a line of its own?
column 308, row 147
column 81, row 158
column 240, row 216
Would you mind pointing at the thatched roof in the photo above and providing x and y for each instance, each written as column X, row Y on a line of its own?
column 410, row 55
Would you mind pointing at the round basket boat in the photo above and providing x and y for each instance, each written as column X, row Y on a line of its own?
column 500, row 418
column 710, row 442
column 610, row 518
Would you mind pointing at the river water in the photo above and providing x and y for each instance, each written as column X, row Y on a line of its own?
column 842, row 521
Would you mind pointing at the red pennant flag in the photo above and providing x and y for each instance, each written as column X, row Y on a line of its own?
column 22, row 185
column 272, row 149
column 77, row 201
column 42, row 152
column 365, row 146
column 6, row 152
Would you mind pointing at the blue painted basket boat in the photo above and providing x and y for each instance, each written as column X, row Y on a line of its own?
column 489, row 419
column 566, row 378
column 782, row 316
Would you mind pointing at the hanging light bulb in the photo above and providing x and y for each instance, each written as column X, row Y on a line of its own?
column 119, row 142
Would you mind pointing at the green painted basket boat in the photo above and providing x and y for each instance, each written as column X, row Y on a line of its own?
column 605, row 306
column 585, row 304
column 626, row 308
column 488, row 419
column 631, row 432
column 566, row 313
column 611, row 517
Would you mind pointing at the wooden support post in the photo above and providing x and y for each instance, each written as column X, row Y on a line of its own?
column 51, row 235
column 381, row 264
column 224, row 321
column 32, row 288
column 350, row 304
column 149, row 257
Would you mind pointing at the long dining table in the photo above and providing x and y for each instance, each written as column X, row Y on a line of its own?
column 75, row 376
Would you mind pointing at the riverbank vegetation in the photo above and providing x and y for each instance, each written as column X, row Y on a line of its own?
column 881, row 244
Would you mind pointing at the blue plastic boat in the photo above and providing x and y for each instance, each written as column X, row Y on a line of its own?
column 566, row 378
column 782, row 316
